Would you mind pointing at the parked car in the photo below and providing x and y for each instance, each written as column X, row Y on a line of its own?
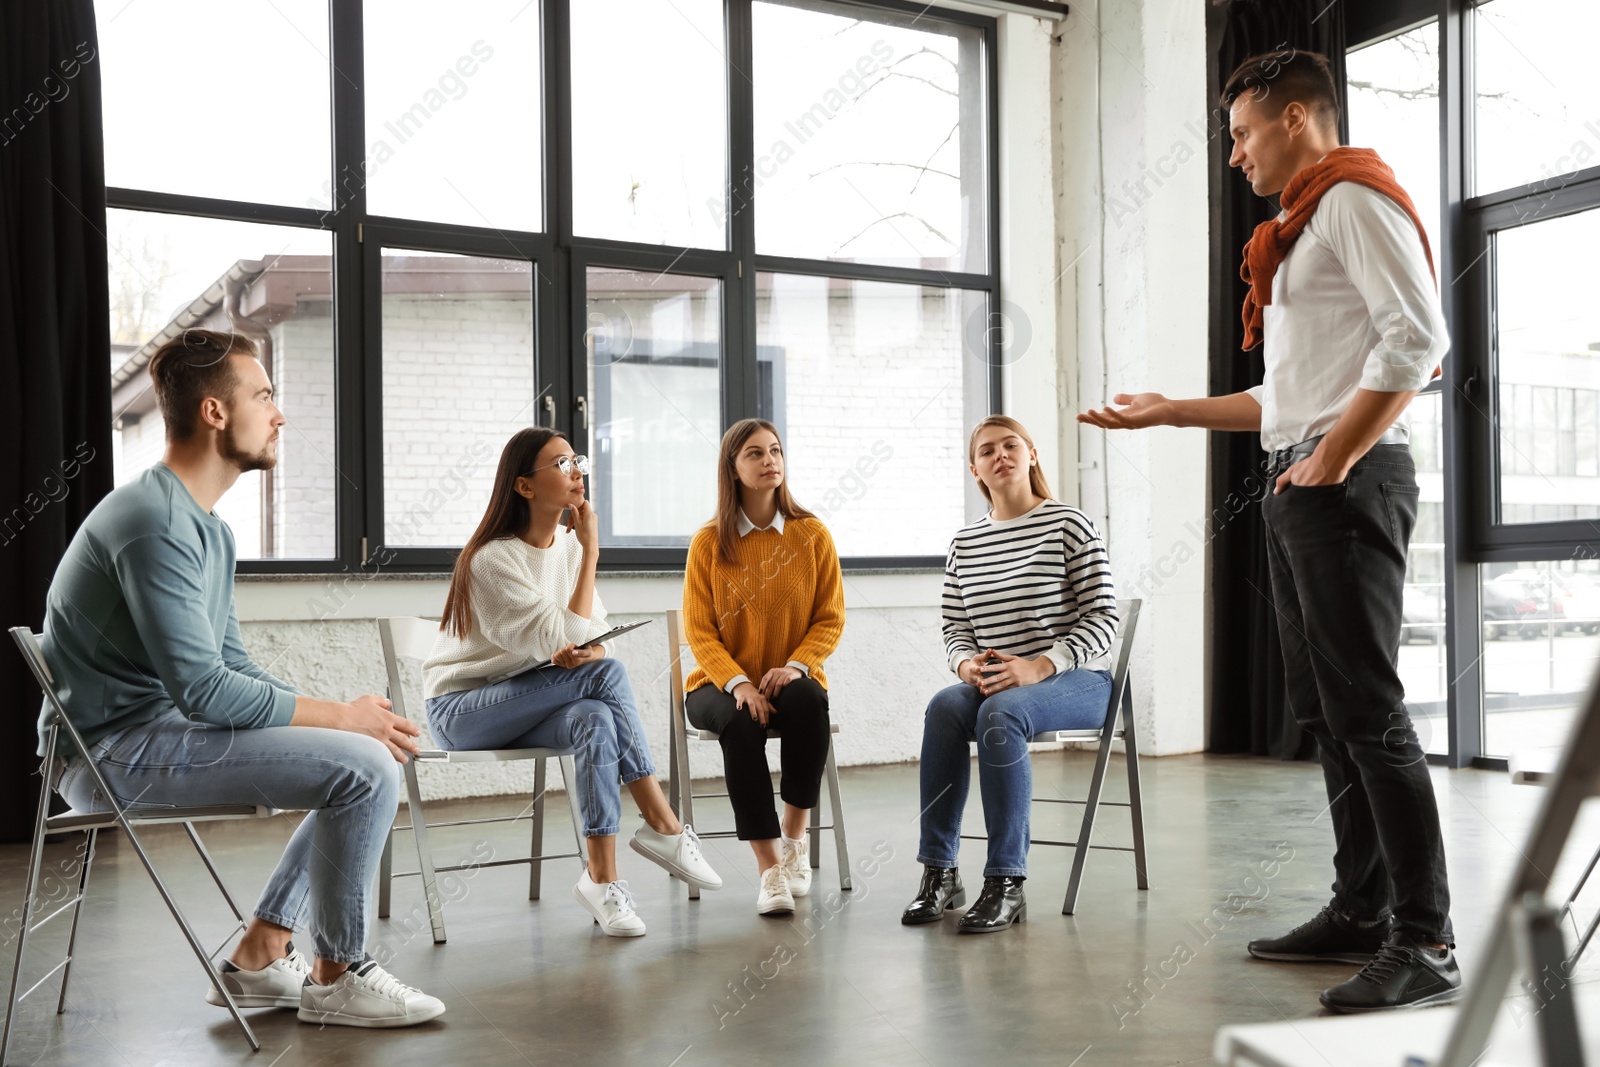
column 1421, row 616
column 1511, row 607
column 1582, row 603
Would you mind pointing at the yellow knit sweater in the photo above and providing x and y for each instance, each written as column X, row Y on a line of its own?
column 781, row 599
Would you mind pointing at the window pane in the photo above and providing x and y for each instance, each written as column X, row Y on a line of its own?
column 654, row 346
column 225, row 100
column 1394, row 108
column 649, row 121
column 169, row 273
column 1422, row 648
column 453, row 113
column 458, row 380
column 869, row 139
column 1541, row 626
column 874, row 388
column 1547, row 352
column 1538, row 91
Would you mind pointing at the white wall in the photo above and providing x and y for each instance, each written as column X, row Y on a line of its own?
column 1129, row 97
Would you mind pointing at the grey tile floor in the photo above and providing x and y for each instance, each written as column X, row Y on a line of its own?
column 713, row 983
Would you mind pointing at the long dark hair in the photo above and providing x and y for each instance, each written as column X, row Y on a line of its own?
column 508, row 516
column 727, row 520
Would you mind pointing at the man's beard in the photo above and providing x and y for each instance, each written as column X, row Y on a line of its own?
column 263, row 460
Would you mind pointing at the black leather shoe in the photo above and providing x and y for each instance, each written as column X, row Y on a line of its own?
column 1403, row 974
column 939, row 892
column 999, row 905
column 1331, row 936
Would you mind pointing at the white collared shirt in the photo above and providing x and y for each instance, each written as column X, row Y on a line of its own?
column 1354, row 306
column 745, row 526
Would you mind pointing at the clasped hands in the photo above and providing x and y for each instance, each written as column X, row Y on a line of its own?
column 991, row 672
column 758, row 700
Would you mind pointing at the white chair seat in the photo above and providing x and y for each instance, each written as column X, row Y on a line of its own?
column 104, row 820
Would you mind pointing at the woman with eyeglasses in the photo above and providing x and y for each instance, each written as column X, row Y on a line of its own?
column 523, row 592
column 763, row 607
column 1029, row 618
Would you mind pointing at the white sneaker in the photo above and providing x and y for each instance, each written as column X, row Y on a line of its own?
column 797, row 866
column 774, row 898
column 277, row 985
column 366, row 995
column 679, row 854
column 611, row 905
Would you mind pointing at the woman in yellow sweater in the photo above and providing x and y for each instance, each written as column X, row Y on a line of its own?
column 763, row 607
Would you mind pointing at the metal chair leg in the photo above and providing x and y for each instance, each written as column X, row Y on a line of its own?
column 240, row 923
column 1091, row 808
column 815, row 833
column 536, row 841
column 419, row 832
column 35, row 863
column 385, row 874
column 90, row 837
column 569, row 778
column 1130, row 744
column 183, row 923
column 679, row 737
column 840, row 841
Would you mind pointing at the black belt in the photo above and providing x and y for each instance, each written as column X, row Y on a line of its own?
column 1285, row 457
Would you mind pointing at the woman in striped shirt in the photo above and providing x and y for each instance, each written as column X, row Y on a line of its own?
column 1029, row 617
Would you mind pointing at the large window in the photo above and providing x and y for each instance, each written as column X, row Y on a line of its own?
column 1504, row 96
column 632, row 221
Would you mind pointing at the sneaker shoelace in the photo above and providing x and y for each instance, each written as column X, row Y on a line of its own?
column 772, row 879
column 297, row 962
column 381, row 981
column 1386, row 962
column 691, row 841
column 618, row 891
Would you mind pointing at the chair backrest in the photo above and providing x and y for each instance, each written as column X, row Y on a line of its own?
column 677, row 644
column 405, row 638
column 1121, row 646
column 28, row 644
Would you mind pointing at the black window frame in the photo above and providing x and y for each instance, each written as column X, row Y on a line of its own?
column 560, row 259
column 1473, row 533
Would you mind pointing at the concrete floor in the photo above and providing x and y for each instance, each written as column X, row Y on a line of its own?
column 536, row 983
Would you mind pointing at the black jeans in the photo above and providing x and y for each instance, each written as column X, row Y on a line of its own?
column 1338, row 560
column 800, row 719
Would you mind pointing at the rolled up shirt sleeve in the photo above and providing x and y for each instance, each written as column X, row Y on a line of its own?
column 1381, row 253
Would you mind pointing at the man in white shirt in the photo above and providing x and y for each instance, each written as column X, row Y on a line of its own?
column 1343, row 296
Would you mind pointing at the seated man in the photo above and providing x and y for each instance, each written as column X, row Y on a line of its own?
column 141, row 634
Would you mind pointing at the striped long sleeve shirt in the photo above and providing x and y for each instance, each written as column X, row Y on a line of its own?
column 1036, row 584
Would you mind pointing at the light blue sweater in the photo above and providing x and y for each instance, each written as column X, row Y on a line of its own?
column 140, row 619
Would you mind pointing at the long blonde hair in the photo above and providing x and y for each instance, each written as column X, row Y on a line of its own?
column 1036, row 478
column 727, row 520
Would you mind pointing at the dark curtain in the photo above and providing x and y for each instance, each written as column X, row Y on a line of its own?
column 55, row 373
column 1249, row 712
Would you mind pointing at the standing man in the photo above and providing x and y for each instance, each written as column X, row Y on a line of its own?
column 141, row 634
column 1342, row 294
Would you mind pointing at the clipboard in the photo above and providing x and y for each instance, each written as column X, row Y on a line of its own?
column 608, row 635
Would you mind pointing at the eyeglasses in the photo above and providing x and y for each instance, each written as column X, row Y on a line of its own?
column 565, row 465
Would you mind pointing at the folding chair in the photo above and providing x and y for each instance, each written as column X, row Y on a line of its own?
column 91, row 824
column 680, row 789
column 1121, row 701
column 412, row 638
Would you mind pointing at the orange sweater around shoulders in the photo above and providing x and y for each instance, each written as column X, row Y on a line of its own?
column 781, row 599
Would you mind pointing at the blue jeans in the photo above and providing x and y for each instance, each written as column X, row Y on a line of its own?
column 587, row 710
column 1002, row 725
column 348, row 784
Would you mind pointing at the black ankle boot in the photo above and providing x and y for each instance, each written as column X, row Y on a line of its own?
column 940, row 891
column 999, row 905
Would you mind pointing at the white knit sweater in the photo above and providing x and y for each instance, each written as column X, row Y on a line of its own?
column 519, row 614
